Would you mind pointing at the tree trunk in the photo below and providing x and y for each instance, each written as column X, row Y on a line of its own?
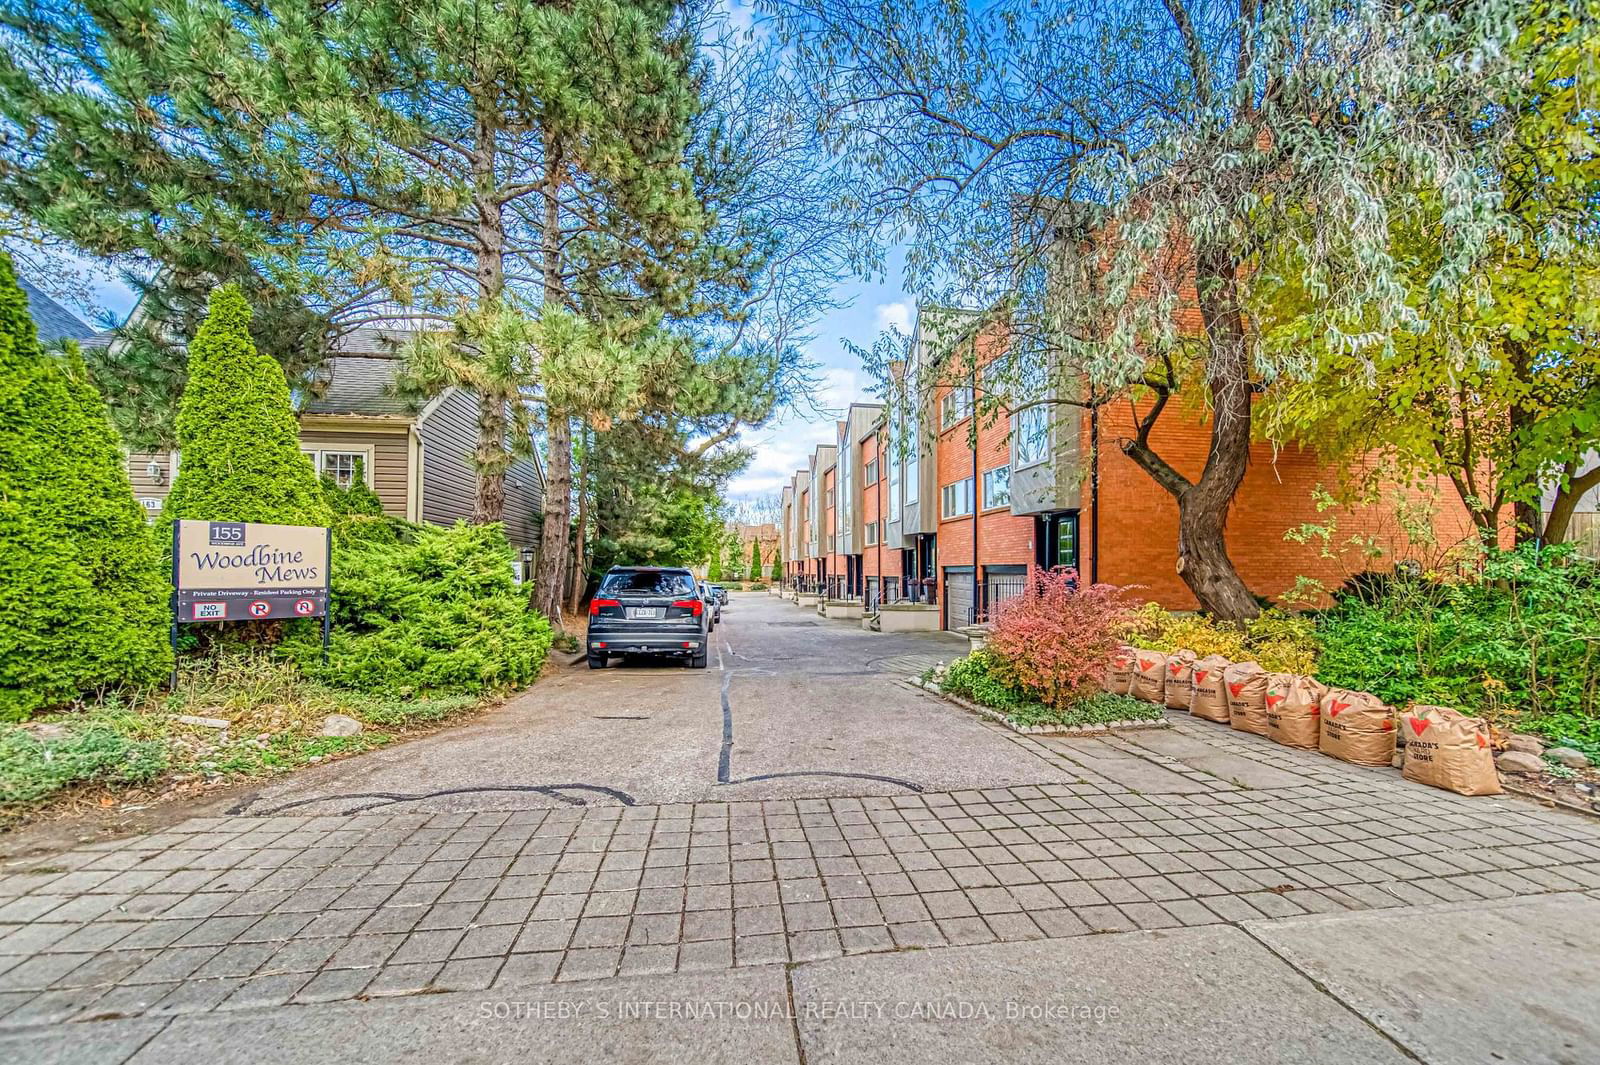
column 1565, row 504
column 492, row 456
column 1524, row 515
column 580, row 533
column 547, row 581
column 548, row 585
column 1203, row 505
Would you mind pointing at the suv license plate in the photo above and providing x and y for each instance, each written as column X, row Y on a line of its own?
column 645, row 613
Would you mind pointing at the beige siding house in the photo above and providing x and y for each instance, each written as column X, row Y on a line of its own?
column 419, row 462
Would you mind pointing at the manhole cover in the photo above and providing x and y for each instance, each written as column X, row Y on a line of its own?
column 791, row 624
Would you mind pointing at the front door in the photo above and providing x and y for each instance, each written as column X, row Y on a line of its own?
column 1057, row 540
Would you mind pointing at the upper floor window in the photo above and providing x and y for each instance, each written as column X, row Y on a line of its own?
column 997, row 488
column 956, row 405
column 1032, row 435
column 870, row 478
column 872, row 533
column 956, row 499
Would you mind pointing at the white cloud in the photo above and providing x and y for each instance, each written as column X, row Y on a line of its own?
column 784, row 446
column 897, row 315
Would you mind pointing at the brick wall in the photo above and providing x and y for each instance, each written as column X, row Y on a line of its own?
column 1003, row 538
column 1139, row 520
column 879, row 559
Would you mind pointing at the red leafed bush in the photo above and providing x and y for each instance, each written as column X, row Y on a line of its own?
column 1055, row 642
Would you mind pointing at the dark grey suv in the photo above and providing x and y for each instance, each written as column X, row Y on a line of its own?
column 648, row 610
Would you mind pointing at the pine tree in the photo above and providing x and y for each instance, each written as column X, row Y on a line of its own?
column 714, row 569
column 241, row 458
column 777, row 565
column 81, row 586
column 755, row 560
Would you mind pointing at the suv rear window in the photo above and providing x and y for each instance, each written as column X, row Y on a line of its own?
column 647, row 582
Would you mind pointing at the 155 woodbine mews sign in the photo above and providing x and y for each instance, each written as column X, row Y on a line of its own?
column 244, row 571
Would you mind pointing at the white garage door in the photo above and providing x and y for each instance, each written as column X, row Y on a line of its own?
column 957, row 597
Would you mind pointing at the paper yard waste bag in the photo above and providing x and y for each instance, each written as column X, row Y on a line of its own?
column 1357, row 727
column 1179, row 684
column 1246, row 684
column 1120, row 673
column 1447, row 749
column 1210, row 697
column 1294, row 709
column 1149, row 676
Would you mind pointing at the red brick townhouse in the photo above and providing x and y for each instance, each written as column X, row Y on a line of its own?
column 909, row 506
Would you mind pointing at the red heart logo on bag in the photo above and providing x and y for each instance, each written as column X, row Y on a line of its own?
column 1274, row 700
column 1176, row 668
column 1200, row 675
column 1418, row 725
column 1236, row 688
column 1481, row 741
column 1335, row 707
column 1146, row 665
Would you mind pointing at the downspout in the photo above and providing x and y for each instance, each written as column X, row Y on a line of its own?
column 1094, row 490
column 883, row 526
column 977, row 498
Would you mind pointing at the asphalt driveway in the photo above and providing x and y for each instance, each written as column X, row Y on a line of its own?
column 793, row 705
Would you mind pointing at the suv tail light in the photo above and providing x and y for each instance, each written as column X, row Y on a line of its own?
column 693, row 605
column 596, row 604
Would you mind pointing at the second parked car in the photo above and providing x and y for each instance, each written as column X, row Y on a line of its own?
column 648, row 610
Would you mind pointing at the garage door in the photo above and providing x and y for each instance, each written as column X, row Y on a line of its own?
column 957, row 597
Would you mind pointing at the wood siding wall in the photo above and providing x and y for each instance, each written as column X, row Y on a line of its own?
column 449, row 483
column 391, row 460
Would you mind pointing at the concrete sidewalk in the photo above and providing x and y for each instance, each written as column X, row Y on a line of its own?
column 1442, row 984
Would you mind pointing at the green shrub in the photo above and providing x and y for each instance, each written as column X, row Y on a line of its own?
column 777, row 565
column 979, row 677
column 974, row 677
column 1520, row 643
column 358, row 499
column 236, row 427
column 32, row 769
column 82, row 592
column 1279, row 641
column 438, row 614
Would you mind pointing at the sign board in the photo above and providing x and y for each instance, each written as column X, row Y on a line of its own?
column 246, row 571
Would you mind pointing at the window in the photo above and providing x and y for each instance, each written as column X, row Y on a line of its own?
column 872, row 533
column 341, row 465
column 997, row 488
column 956, row 405
column 830, row 499
column 1032, row 435
column 648, row 582
column 956, row 501
column 895, row 474
column 871, row 477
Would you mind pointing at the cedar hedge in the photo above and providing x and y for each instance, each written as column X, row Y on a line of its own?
column 82, row 590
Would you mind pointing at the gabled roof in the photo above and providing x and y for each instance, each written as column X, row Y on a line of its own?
column 55, row 322
column 356, row 385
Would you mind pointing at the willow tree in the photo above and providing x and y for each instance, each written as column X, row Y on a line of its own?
column 1103, row 177
column 1498, row 390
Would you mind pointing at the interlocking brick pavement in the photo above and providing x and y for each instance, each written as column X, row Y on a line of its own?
column 234, row 912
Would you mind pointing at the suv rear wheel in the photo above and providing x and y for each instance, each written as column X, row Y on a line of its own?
column 597, row 661
column 698, row 661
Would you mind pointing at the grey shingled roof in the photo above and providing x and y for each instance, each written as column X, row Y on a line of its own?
column 55, row 322
column 363, row 374
column 359, row 386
